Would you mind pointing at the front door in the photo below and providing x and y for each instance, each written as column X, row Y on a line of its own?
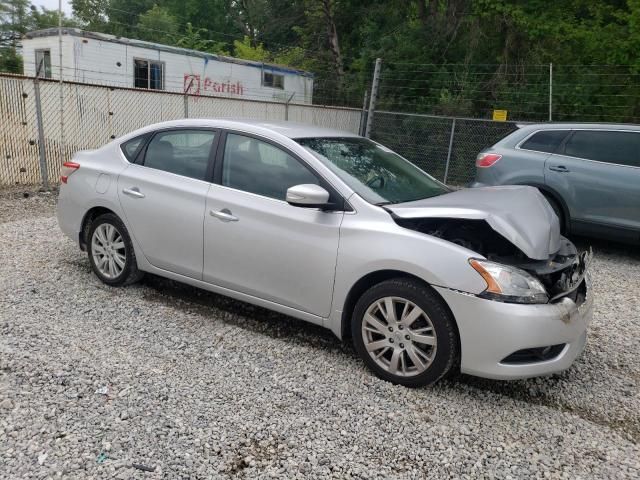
column 258, row 244
column 163, row 198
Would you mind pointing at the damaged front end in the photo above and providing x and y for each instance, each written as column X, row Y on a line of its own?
column 558, row 276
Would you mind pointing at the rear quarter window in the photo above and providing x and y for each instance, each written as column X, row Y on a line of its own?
column 546, row 141
column 132, row 147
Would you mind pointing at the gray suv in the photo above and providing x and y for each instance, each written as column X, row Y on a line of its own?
column 589, row 173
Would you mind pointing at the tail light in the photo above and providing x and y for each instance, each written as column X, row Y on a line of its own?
column 67, row 169
column 485, row 160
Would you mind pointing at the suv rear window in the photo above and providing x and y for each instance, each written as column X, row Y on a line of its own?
column 545, row 141
column 622, row 148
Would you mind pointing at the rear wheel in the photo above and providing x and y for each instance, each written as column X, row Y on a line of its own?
column 110, row 251
column 404, row 333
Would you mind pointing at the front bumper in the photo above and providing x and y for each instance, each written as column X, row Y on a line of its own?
column 490, row 331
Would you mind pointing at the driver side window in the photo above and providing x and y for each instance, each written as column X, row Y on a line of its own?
column 258, row 167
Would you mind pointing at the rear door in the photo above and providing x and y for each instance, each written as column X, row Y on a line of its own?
column 163, row 196
column 597, row 172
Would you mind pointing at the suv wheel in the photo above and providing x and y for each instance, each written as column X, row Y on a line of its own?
column 111, row 252
column 404, row 333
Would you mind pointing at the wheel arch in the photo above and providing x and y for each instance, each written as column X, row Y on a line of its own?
column 371, row 279
column 89, row 216
column 546, row 190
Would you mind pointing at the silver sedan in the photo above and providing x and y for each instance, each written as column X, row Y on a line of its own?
column 340, row 231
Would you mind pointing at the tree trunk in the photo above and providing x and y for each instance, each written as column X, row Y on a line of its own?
column 332, row 36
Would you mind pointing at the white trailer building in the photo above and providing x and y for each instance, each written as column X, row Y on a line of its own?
column 97, row 58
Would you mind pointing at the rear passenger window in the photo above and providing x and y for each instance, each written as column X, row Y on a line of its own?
column 545, row 141
column 622, row 148
column 183, row 152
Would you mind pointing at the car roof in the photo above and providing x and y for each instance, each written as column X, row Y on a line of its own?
column 288, row 129
column 578, row 126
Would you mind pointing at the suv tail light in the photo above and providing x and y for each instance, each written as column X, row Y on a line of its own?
column 67, row 169
column 485, row 160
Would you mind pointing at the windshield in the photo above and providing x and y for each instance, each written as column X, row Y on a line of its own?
column 373, row 171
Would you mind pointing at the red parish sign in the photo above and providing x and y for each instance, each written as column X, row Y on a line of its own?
column 194, row 85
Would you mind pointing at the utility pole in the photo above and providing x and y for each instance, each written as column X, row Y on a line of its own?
column 374, row 96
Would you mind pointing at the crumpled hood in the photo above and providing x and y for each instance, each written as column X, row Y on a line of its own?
column 520, row 214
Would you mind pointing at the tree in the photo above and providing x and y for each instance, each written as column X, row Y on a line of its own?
column 244, row 49
column 195, row 39
column 158, row 25
column 92, row 14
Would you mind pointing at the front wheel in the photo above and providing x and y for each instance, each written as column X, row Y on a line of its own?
column 110, row 251
column 404, row 333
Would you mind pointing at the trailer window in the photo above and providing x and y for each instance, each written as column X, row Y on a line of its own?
column 43, row 63
column 148, row 74
column 272, row 80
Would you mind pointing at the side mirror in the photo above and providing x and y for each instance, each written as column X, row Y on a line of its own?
column 307, row 195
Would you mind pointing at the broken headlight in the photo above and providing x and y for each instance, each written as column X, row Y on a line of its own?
column 509, row 284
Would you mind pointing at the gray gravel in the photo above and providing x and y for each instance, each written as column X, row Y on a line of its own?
column 161, row 380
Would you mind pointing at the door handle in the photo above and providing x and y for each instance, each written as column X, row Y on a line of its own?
column 133, row 192
column 559, row 168
column 224, row 215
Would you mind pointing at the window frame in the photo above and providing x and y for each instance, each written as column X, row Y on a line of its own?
column 142, row 153
column 574, row 130
column 273, row 76
column 567, row 135
column 336, row 201
column 149, row 62
column 45, row 52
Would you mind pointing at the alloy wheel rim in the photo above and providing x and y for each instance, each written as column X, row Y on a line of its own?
column 399, row 336
column 108, row 251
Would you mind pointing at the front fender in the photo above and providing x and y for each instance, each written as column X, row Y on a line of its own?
column 380, row 244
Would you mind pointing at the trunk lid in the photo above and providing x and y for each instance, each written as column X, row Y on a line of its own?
column 520, row 214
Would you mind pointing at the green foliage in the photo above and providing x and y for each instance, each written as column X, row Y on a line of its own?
column 244, row 49
column 10, row 61
column 158, row 25
column 196, row 39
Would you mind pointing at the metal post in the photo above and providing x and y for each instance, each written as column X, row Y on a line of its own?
column 187, row 89
column 551, row 92
column 61, row 84
column 286, row 106
column 363, row 115
column 446, row 167
column 374, row 97
column 43, row 158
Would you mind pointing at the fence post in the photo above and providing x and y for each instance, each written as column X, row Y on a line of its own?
column 186, row 105
column 61, row 85
column 551, row 92
column 363, row 115
column 286, row 107
column 446, row 167
column 374, row 97
column 43, row 158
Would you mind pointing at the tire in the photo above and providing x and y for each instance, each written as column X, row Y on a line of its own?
column 434, row 323
column 108, row 239
column 558, row 211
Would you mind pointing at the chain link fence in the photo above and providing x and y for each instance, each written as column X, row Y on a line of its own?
column 445, row 147
column 38, row 136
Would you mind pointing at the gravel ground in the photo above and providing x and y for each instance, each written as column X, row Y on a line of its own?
column 161, row 380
